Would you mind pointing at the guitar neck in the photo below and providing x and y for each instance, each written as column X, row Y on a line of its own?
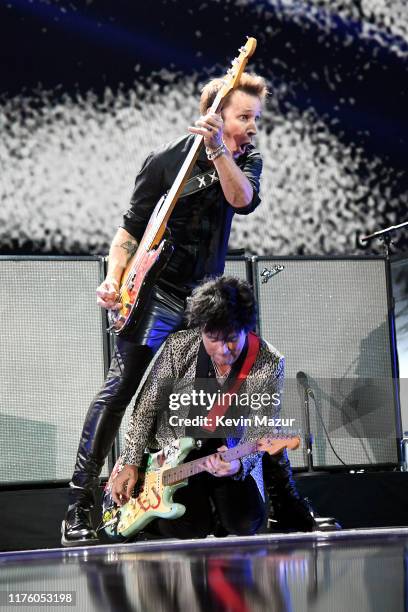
column 159, row 226
column 174, row 192
column 184, row 470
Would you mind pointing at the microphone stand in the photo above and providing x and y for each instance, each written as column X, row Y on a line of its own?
column 385, row 236
column 308, row 437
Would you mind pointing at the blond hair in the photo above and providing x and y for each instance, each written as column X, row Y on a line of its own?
column 251, row 84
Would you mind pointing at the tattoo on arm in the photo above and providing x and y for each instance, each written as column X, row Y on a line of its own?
column 130, row 247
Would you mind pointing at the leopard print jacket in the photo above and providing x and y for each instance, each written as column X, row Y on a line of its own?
column 174, row 372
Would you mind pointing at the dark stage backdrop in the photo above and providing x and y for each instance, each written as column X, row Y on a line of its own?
column 88, row 89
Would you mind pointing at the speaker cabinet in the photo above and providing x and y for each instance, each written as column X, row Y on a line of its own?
column 240, row 267
column 52, row 362
column 329, row 318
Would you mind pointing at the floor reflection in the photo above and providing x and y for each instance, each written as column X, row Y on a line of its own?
column 366, row 574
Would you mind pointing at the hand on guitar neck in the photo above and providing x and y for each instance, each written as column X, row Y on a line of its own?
column 211, row 127
column 215, row 464
column 218, row 466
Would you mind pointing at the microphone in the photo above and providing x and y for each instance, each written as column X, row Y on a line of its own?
column 303, row 381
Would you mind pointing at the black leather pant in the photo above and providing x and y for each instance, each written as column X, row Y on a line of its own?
column 129, row 362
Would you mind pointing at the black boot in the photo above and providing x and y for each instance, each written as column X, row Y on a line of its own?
column 101, row 425
column 98, row 435
column 76, row 529
column 290, row 511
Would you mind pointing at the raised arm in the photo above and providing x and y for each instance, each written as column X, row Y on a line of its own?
column 226, row 137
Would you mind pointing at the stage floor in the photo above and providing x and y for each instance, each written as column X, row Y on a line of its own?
column 351, row 570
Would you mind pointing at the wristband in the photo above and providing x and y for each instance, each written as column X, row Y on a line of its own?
column 215, row 153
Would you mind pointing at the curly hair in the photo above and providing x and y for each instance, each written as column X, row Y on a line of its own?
column 224, row 305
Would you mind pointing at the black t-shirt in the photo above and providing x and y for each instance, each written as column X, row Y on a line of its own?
column 200, row 223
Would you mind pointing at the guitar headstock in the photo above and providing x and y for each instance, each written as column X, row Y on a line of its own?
column 275, row 445
column 231, row 80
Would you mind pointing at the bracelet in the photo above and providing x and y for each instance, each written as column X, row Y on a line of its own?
column 214, row 153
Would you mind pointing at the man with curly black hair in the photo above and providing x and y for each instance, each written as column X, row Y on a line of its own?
column 219, row 353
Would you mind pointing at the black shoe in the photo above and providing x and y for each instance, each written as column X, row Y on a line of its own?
column 77, row 528
column 291, row 513
column 328, row 523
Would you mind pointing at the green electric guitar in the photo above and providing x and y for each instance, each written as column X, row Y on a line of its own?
column 165, row 473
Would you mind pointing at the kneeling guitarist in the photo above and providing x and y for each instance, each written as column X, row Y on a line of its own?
column 218, row 354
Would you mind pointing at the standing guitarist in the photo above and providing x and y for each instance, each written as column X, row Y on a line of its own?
column 225, row 180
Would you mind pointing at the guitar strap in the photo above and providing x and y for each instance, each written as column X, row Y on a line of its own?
column 204, row 180
column 200, row 182
column 220, row 409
